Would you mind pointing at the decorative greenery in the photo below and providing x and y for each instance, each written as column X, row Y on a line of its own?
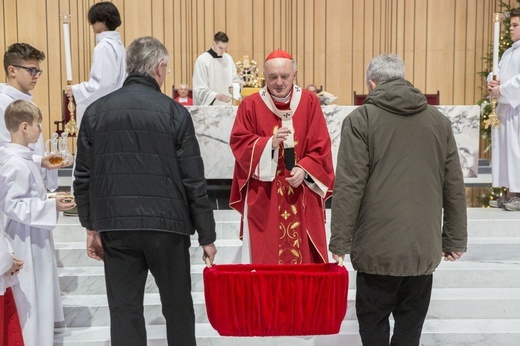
column 493, row 193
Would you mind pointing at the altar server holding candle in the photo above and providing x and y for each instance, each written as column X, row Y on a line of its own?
column 505, row 158
column 108, row 70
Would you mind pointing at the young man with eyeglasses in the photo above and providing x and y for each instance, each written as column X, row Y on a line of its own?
column 22, row 70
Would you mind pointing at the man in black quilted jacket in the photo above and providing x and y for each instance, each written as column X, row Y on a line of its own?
column 140, row 190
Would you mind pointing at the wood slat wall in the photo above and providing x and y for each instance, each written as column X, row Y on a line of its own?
column 441, row 41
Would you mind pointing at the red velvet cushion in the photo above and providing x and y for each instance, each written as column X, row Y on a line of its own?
column 270, row 300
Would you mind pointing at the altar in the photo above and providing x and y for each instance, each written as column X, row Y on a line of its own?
column 213, row 127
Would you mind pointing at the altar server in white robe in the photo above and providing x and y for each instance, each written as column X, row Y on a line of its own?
column 108, row 70
column 28, row 218
column 214, row 73
column 22, row 70
column 505, row 159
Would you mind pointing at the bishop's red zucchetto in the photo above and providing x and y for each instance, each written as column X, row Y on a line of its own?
column 279, row 54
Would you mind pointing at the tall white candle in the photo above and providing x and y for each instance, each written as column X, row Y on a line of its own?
column 66, row 39
column 496, row 42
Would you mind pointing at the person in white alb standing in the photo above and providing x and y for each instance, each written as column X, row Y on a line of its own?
column 214, row 73
column 108, row 70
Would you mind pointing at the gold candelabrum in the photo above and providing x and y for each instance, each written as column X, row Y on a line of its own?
column 71, row 127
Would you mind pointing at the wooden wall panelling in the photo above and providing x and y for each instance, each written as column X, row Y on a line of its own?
column 305, row 56
column 157, row 19
column 461, row 53
column 375, row 30
column 169, row 36
column 2, row 39
column 420, row 44
column 320, row 44
column 10, row 26
column 200, row 30
column 485, row 38
column 369, row 30
column 297, row 48
column 270, row 22
column 385, row 26
column 439, row 60
column 55, row 85
column 258, row 30
column 289, row 34
column 240, row 30
column 471, row 78
column 408, row 53
column 139, row 19
column 277, row 22
column 211, row 27
column 157, row 31
column 338, row 60
column 393, row 27
column 399, row 23
column 221, row 19
column 358, row 59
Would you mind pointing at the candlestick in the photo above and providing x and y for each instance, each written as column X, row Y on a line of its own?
column 66, row 40
column 493, row 119
column 71, row 127
column 496, row 41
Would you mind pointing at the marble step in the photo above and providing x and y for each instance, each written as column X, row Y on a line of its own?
column 73, row 254
column 452, row 332
column 490, row 222
column 70, row 230
column 461, row 274
column 446, row 303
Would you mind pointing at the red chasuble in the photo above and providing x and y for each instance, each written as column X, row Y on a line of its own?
column 286, row 225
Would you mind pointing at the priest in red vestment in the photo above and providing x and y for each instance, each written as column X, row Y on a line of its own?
column 283, row 170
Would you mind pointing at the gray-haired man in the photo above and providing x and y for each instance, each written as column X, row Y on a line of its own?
column 141, row 193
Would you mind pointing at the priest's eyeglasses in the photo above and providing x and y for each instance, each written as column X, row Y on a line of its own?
column 35, row 72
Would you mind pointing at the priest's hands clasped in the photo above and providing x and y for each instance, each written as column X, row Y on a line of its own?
column 297, row 176
column 280, row 135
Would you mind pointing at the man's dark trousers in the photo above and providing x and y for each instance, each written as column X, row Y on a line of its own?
column 128, row 255
column 407, row 298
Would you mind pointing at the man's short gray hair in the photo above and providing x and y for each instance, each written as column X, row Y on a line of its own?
column 144, row 55
column 384, row 67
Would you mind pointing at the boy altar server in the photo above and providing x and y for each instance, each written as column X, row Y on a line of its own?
column 28, row 218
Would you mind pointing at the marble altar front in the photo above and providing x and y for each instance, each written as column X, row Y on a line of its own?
column 213, row 127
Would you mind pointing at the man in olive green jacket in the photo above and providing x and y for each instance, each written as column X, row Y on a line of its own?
column 397, row 171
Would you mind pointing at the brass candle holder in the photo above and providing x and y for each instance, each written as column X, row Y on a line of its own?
column 71, row 127
column 493, row 119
